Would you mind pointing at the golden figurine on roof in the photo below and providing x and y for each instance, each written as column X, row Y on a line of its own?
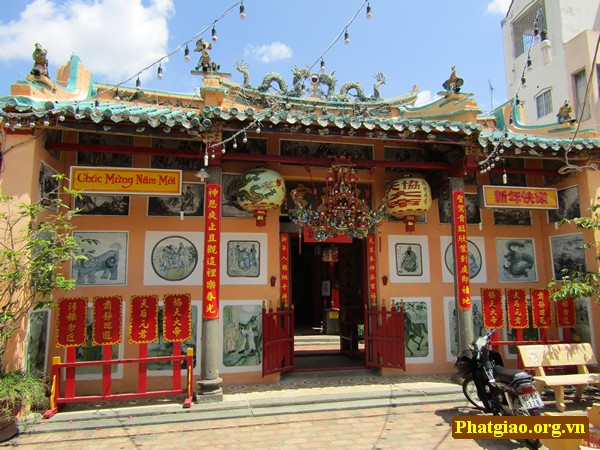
column 205, row 64
column 40, row 65
column 564, row 113
column 454, row 83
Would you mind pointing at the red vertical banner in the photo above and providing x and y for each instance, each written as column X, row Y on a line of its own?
column 540, row 308
column 106, row 327
column 516, row 304
column 177, row 317
column 461, row 250
column 565, row 313
column 493, row 308
column 212, row 245
column 72, row 322
column 372, row 270
column 143, row 319
column 284, row 264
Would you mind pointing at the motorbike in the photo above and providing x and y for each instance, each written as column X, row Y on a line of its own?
column 493, row 388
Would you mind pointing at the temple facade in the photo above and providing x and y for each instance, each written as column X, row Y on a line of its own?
column 316, row 199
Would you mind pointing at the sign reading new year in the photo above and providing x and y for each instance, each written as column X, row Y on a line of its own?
column 126, row 181
column 518, row 197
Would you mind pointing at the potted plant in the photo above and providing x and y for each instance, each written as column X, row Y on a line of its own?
column 35, row 240
column 16, row 390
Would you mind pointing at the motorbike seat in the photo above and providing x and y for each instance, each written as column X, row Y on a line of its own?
column 508, row 376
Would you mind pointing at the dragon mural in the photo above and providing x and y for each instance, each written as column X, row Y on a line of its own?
column 518, row 264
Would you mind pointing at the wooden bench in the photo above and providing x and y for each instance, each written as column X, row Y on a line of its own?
column 538, row 357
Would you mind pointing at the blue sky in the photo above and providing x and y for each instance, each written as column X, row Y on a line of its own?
column 411, row 42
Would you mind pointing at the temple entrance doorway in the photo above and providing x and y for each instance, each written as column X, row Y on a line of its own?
column 328, row 293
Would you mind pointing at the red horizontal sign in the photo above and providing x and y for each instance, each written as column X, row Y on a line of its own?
column 518, row 197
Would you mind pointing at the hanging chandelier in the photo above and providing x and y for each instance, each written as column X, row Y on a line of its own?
column 342, row 212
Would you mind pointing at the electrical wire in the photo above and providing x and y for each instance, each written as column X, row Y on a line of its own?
column 178, row 49
column 568, row 167
column 257, row 122
column 486, row 165
column 254, row 124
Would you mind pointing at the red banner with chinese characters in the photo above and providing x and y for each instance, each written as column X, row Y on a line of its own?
column 516, row 305
column 565, row 313
column 493, row 308
column 177, row 317
column 284, row 264
column 372, row 270
column 143, row 319
column 212, row 245
column 461, row 250
column 540, row 308
column 72, row 322
column 106, row 327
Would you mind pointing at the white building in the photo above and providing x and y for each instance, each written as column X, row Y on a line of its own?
column 573, row 30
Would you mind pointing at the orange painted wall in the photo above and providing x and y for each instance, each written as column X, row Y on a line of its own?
column 137, row 223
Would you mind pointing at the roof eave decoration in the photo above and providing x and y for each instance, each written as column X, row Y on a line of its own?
column 510, row 132
column 74, row 82
column 454, row 112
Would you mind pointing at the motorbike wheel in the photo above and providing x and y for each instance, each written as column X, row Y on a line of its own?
column 470, row 391
column 519, row 411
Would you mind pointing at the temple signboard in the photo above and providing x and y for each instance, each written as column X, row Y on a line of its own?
column 125, row 181
column 518, row 197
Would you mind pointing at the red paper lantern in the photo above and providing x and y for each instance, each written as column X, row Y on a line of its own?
column 406, row 198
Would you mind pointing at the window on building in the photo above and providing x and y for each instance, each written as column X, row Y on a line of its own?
column 580, row 85
column 544, row 103
column 522, row 27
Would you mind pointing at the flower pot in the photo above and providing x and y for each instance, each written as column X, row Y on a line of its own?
column 8, row 426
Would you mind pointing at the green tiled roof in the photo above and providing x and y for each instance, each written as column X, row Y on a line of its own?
column 157, row 115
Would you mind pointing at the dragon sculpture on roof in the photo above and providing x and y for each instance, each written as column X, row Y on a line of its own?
column 350, row 91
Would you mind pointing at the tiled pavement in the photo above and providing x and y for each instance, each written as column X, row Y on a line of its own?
column 355, row 410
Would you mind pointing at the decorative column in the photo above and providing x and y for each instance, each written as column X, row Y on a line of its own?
column 462, row 288
column 210, row 382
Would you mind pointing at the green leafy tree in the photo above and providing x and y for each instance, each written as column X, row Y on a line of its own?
column 36, row 239
column 575, row 283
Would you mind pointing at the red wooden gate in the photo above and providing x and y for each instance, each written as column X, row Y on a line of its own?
column 278, row 340
column 384, row 338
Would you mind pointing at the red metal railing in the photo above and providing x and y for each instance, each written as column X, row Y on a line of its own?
column 55, row 395
column 278, row 340
column 384, row 338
